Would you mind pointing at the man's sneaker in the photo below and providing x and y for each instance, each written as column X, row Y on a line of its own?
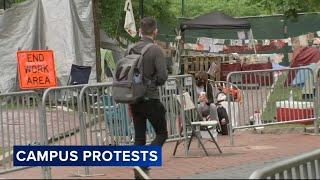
column 141, row 172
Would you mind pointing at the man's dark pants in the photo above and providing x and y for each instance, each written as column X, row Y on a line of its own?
column 153, row 111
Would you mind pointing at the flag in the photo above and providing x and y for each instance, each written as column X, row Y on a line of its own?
column 129, row 24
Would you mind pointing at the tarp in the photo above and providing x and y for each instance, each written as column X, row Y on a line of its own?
column 66, row 27
column 109, row 43
column 215, row 20
column 303, row 57
column 303, row 75
column 111, row 52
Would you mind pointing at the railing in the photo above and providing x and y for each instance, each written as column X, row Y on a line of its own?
column 272, row 97
column 305, row 166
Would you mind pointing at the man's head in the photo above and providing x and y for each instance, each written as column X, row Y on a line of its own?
column 148, row 27
column 201, row 78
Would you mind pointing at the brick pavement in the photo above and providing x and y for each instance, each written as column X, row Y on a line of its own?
column 249, row 150
column 242, row 171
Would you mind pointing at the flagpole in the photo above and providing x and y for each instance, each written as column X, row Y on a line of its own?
column 182, row 8
column 254, row 44
column 141, row 9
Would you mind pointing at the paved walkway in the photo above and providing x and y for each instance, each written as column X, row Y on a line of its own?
column 251, row 151
column 236, row 172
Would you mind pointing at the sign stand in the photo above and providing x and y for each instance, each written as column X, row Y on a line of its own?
column 17, row 88
column 35, row 70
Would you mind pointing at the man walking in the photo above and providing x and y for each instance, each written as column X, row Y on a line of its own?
column 154, row 75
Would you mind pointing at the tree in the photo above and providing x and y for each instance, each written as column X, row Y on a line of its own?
column 9, row 3
column 112, row 15
column 290, row 8
column 195, row 8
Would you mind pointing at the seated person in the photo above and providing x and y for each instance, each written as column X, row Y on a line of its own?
column 205, row 93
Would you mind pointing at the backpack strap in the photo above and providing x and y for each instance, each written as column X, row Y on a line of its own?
column 130, row 48
column 146, row 47
column 144, row 50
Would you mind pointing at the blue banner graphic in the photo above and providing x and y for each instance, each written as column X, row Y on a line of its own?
column 87, row 156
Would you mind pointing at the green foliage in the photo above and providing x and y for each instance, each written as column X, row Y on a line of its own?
column 112, row 15
column 195, row 8
column 289, row 8
column 9, row 3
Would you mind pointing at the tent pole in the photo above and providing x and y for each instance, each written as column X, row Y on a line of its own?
column 254, row 44
column 176, row 63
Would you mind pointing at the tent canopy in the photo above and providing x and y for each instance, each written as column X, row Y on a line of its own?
column 305, row 56
column 215, row 20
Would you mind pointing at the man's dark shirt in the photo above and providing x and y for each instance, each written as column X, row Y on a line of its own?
column 154, row 67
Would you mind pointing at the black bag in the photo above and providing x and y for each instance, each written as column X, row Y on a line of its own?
column 222, row 114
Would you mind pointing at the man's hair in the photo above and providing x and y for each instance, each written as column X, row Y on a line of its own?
column 148, row 25
column 202, row 75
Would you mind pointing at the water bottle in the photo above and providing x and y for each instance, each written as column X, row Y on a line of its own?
column 137, row 78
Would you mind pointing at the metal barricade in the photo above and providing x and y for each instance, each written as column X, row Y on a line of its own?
column 175, row 113
column 112, row 122
column 270, row 97
column 103, row 121
column 168, row 94
column 187, row 83
column 20, row 124
column 305, row 166
column 60, row 110
column 317, row 84
column 107, row 122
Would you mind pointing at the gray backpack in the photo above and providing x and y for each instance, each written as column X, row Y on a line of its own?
column 128, row 86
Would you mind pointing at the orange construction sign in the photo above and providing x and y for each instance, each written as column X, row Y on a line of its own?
column 36, row 69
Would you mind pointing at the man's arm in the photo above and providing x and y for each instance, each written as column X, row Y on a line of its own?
column 161, row 66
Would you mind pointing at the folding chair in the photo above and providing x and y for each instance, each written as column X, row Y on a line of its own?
column 189, row 105
column 79, row 75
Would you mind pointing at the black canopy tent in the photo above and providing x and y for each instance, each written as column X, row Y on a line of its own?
column 214, row 20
